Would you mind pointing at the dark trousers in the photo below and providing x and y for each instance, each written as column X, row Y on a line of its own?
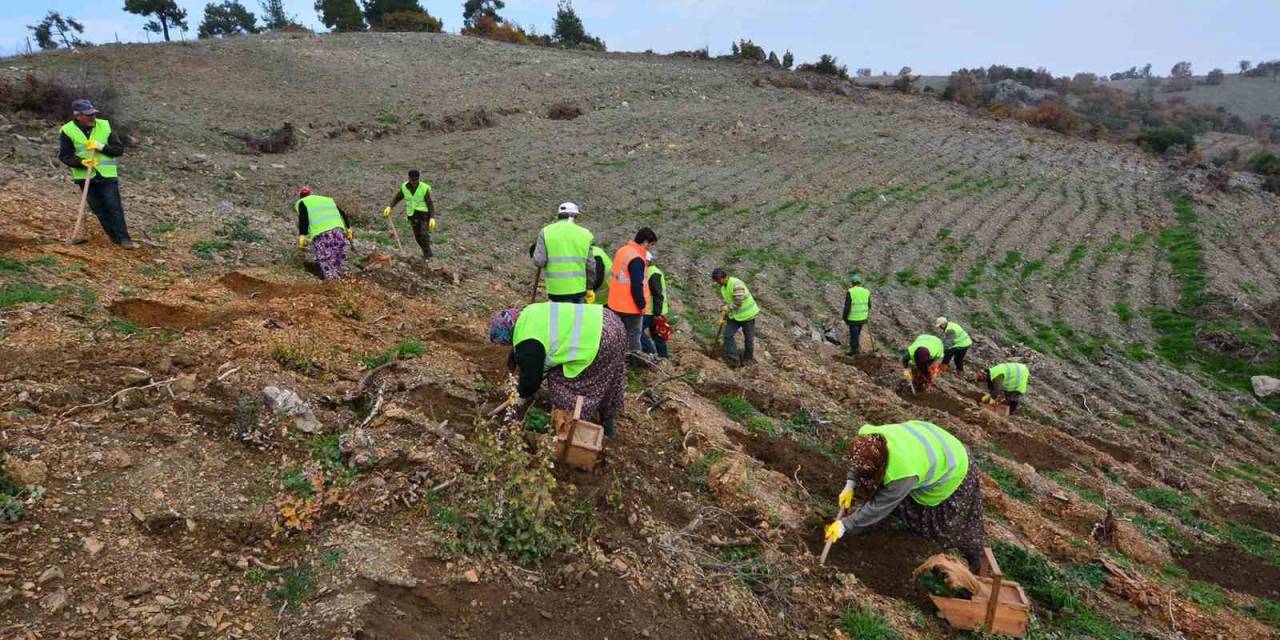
column 957, row 355
column 575, row 298
column 748, row 328
column 650, row 342
column 855, row 336
column 1013, row 399
column 104, row 201
column 421, row 233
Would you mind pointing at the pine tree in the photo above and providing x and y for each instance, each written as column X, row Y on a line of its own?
column 56, row 30
column 164, row 13
column 227, row 18
column 374, row 10
column 340, row 15
column 472, row 9
column 274, row 17
column 569, row 30
column 788, row 59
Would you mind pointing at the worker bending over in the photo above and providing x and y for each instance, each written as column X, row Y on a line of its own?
column 628, row 288
column 326, row 227
column 955, row 343
column 738, row 312
column 857, row 308
column 563, row 251
column 657, row 331
column 920, row 472
column 578, row 348
column 1011, row 378
column 418, row 208
column 921, row 356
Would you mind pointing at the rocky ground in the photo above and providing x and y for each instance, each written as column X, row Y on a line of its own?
column 172, row 487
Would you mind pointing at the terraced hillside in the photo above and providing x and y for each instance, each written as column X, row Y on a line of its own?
column 1142, row 468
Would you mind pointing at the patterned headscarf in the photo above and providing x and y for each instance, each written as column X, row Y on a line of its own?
column 868, row 457
column 502, row 325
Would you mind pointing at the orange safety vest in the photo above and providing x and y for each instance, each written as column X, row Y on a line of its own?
column 620, row 299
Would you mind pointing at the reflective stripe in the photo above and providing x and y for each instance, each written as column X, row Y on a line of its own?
column 555, row 335
column 575, row 338
column 566, row 260
column 562, row 276
column 575, row 334
column 947, row 453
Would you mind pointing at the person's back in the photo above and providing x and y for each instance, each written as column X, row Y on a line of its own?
column 563, row 250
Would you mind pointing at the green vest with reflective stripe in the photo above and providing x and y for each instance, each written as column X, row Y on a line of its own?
column 570, row 333
column 568, row 250
column 101, row 134
column 602, row 291
column 662, row 282
column 748, row 310
column 859, row 304
column 322, row 215
column 415, row 201
column 1015, row 376
column 962, row 338
column 936, row 458
column 931, row 342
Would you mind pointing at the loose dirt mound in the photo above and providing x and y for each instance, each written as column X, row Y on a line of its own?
column 149, row 313
column 882, row 559
column 587, row 608
column 816, row 472
column 1233, row 569
column 252, row 287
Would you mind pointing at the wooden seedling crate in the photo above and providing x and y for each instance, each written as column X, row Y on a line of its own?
column 1000, row 408
column 578, row 443
column 1005, row 614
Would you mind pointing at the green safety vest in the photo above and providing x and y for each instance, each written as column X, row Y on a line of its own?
column 568, row 251
column 569, row 333
column 936, row 458
column 602, row 291
column 1015, row 376
column 748, row 310
column 962, row 338
column 931, row 342
column 101, row 134
column 859, row 304
column 662, row 282
column 322, row 215
column 415, row 201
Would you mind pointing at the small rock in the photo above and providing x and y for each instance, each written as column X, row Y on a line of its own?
column 619, row 565
column 185, row 383
column 54, row 602
column 286, row 402
column 26, row 472
column 52, row 573
column 471, row 576
column 1265, row 386
column 92, row 545
column 165, row 601
column 119, row 458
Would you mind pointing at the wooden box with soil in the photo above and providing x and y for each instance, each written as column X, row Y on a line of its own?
column 579, row 444
column 1005, row 615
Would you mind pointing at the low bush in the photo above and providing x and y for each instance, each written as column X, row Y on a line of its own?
column 826, row 65
column 865, row 624
column 1053, row 116
column 51, row 98
column 1215, row 77
column 1162, row 139
column 410, row 21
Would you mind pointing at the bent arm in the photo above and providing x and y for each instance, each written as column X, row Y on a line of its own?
column 530, row 358
column 539, row 254
column 886, row 499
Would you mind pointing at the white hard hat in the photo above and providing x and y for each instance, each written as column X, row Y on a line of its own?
column 940, row 322
column 567, row 209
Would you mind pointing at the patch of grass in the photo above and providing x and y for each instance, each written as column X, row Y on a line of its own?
column 1031, row 267
column 387, row 119
column 736, row 407
column 1137, row 353
column 1011, row 260
column 294, row 480
column 1076, row 256
column 865, row 624
column 761, row 424
column 124, row 327
column 167, row 227
column 1157, row 528
column 968, row 286
column 296, row 585
column 13, row 265
column 331, row 559
column 296, row 356
column 1043, row 582
column 1209, row 596
column 240, row 229
column 1265, row 611
column 1088, row 624
column 1007, row 481
column 21, row 292
column 944, row 233
column 204, row 249
column 909, row 278
column 1124, row 312
column 1255, row 542
column 941, row 275
column 404, row 350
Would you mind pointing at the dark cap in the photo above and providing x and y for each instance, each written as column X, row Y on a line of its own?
column 83, row 106
column 718, row 273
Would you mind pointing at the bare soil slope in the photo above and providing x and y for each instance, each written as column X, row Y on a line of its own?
column 174, row 504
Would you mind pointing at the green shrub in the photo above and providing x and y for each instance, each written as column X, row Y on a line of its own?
column 1160, row 139
column 865, row 624
column 537, row 421
column 761, row 424
column 1254, row 542
column 21, row 292
column 204, row 249
column 1209, row 596
column 410, row 21
column 1043, row 582
column 296, row 585
column 736, row 407
column 699, row 470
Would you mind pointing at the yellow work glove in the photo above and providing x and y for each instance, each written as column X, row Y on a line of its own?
column 431, row 224
column 351, row 234
column 90, row 163
column 986, row 399
column 92, row 145
column 302, row 243
column 907, row 375
column 834, row 531
column 591, row 297
column 845, row 500
column 724, row 310
column 386, row 213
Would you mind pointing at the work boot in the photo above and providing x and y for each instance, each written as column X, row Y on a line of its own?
column 128, row 244
column 608, row 427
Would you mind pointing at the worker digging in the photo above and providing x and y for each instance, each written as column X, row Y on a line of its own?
column 326, row 227
column 955, row 343
column 919, row 472
column 89, row 147
column 563, row 252
column 418, row 207
column 920, row 359
column 578, row 348
column 1009, row 379
column 656, row 329
column 738, row 312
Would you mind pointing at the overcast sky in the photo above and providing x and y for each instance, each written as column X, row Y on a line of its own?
column 932, row 36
